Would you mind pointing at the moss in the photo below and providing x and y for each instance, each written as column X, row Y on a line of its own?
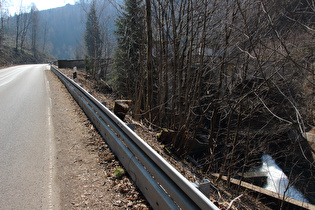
column 168, row 150
column 119, row 172
column 164, row 130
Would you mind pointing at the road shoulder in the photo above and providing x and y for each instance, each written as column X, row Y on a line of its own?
column 85, row 165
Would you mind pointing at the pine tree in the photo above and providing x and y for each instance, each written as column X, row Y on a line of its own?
column 130, row 45
column 93, row 37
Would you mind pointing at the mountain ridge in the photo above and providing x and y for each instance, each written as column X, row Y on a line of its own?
column 66, row 28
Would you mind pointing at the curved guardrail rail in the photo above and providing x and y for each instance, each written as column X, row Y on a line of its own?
column 168, row 189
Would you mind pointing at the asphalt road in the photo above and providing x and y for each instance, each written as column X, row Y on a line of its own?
column 26, row 139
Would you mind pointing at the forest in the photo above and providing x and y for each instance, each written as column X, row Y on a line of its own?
column 59, row 31
column 225, row 81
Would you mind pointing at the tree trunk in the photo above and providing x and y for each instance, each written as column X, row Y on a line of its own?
column 149, row 61
column 17, row 31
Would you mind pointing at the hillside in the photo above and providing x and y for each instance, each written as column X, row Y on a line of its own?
column 10, row 57
column 65, row 29
column 226, row 82
column 60, row 30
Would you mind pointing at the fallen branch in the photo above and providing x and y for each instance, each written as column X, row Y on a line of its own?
column 235, row 199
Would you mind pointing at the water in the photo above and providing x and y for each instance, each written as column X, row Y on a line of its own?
column 277, row 181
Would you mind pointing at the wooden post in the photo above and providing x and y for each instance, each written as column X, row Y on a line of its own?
column 121, row 108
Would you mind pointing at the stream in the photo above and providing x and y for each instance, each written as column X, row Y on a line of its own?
column 277, row 181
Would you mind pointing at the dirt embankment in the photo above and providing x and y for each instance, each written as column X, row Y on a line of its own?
column 219, row 195
column 9, row 56
column 88, row 175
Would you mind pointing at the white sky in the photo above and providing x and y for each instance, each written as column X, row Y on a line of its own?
column 14, row 5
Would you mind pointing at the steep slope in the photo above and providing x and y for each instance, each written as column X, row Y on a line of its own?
column 65, row 28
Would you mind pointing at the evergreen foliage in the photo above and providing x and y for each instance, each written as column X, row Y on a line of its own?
column 130, row 39
column 60, row 32
column 88, row 64
column 226, row 77
column 93, row 34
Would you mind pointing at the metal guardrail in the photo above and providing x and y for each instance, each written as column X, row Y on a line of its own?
column 168, row 189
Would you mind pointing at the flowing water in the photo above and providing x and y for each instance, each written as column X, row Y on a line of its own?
column 277, row 181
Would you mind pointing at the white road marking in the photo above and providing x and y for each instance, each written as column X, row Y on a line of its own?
column 52, row 195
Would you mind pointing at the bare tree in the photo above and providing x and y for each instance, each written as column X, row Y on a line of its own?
column 228, row 77
column 18, row 30
column 34, row 28
column 3, row 14
column 25, row 24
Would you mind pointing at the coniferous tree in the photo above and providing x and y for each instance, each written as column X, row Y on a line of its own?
column 93, row 37
column 130, row 45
